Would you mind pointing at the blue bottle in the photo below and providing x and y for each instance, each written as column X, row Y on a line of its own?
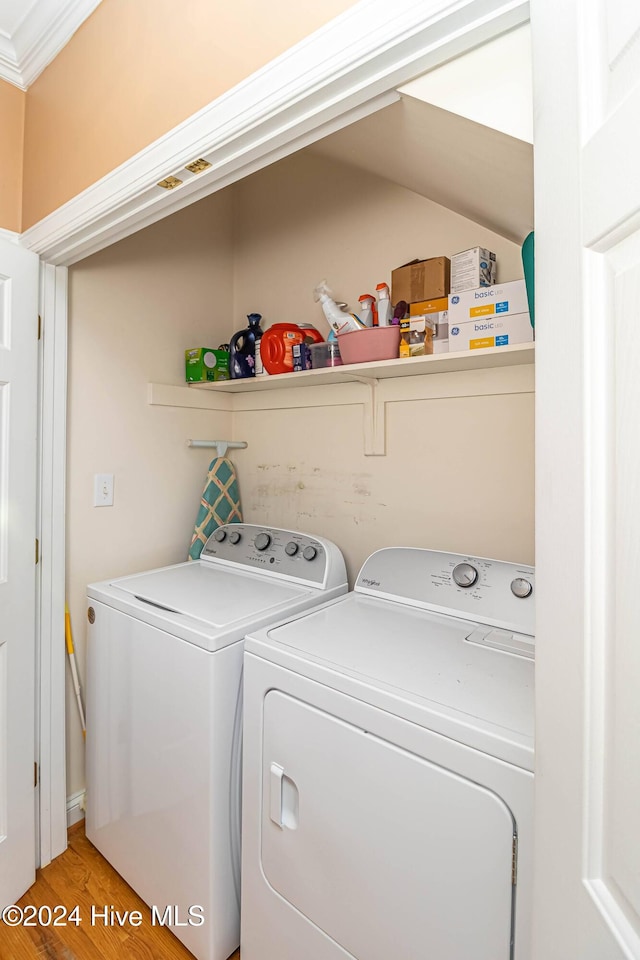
column 244, row 349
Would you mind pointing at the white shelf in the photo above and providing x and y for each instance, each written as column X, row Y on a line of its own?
column 521, row 353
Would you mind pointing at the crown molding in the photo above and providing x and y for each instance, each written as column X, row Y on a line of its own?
column 341, row 73
column 42, row 34
column 9, row 235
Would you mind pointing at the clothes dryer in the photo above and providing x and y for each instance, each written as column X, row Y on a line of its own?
column 388, row 767
column 164, row 712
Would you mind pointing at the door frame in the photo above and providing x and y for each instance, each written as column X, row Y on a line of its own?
column 343, row 72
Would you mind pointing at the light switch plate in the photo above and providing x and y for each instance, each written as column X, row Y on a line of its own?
column 103, row 490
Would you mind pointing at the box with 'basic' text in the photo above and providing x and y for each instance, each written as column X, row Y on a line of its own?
column 501, row 298
column 494, row 331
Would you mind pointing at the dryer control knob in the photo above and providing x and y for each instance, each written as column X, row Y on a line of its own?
column 262, row 541
column 465, row 575
column 220, row 535
column 235, row 536
column 291, row 549
column 310, row 553
column 521, row 588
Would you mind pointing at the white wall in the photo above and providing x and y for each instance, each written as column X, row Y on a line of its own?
column 458, row 474
column 308, row 218
column 474, row 85
column 134, row 308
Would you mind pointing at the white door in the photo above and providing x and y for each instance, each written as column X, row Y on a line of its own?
column 18, row 405
column 587, row 112
column 388, row 854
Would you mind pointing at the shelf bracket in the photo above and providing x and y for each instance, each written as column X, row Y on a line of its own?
column 374, row 419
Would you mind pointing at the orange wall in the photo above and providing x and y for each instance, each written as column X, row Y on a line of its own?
column 12, row 104
column 133, row 71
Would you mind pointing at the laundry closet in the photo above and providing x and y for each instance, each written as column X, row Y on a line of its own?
column 443, row 459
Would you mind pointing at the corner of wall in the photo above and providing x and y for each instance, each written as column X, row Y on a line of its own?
column 12, row 123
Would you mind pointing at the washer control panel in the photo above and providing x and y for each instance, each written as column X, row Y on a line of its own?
column 295, row 555
column 486, row 591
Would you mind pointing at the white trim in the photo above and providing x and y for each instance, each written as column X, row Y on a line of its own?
column 9, row 235
column 348, row 69
column 311, row 89
column 172, row 395
column 76, row 805
column 53, row 425
column 9, row 69
column 43, row 33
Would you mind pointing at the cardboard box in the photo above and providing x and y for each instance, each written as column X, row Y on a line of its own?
column 495, row 331
column 301, row 357
column 428, row 306
column 203, row 364
column 422, row 280
column 438, row 311
column 502, row 298
column 472, row 268
column 416, row 336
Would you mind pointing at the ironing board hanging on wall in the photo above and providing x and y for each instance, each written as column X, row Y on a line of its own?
column 219, row 504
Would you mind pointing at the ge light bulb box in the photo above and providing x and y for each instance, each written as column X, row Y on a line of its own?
column 496, row 330
column 499, row 299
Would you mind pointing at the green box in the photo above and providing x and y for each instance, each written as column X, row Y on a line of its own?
column 203, row 364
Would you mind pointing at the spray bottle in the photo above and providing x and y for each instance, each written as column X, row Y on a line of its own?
column 338, row 321
column 368, row 309
column 384, row 305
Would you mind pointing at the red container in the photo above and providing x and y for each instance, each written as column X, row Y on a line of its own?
column 370, row 344
column 278, row 341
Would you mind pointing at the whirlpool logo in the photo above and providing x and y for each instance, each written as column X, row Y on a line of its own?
column 367, row 582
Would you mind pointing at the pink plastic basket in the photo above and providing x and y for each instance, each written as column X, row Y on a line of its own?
column 370, row 344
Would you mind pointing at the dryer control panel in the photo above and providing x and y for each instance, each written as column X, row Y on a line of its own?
column 286, row 553
column 492, row 592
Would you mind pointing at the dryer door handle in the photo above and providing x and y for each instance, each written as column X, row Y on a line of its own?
column 276, row 773
column 283, row 798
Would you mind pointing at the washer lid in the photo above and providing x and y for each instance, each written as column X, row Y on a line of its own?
column 478, row 694
column 213, row 595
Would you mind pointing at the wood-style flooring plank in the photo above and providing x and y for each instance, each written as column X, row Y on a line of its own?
column 81, row 876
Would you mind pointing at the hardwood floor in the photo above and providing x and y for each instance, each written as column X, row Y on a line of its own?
column 82, row 877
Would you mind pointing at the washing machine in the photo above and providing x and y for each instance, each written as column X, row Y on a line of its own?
column 164, row 716
column 388, row 767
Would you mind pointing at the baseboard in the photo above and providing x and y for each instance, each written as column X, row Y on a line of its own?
column 75, row 808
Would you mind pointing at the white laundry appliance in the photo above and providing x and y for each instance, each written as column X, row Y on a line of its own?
column 388, row 767
column 164, row 714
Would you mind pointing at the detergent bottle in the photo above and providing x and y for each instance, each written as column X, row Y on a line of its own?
column 278, row 343
column 244, row 350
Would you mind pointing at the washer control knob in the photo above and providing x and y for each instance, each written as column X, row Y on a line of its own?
column 310, row 553
column 262, row 541
column 291, row 549
column 521, row 588
column 235, row 536
column 220, row 535
column 465, row 575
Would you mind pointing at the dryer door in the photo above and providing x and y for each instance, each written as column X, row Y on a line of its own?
column 387, row 853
